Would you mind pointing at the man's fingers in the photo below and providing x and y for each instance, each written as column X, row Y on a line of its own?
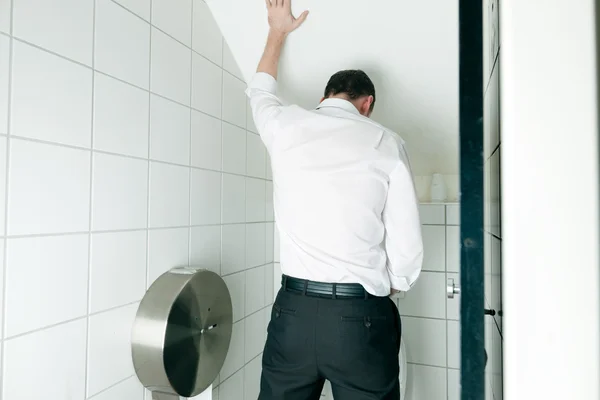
column 276, row 3
column 268, row 3
column 300, row 19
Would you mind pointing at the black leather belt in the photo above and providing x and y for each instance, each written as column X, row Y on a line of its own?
column 325, row 290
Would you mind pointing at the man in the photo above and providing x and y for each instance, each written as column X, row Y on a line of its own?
column 350, row 234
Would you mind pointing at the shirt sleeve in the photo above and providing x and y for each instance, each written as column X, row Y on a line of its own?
column 403, row 240
column 265, row 105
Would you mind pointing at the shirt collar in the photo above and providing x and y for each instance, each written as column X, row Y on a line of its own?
column 338, row 103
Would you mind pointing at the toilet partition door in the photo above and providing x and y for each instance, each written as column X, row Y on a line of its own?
column 471, row 201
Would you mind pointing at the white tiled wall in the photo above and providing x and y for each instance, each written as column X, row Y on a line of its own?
column 125, row 150
column 430, row 321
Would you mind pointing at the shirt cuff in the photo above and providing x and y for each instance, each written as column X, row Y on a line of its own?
column 263, row 82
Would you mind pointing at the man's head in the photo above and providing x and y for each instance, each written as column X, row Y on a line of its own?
column 354, row 86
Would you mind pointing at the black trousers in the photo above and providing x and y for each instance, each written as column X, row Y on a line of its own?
column 353, row 343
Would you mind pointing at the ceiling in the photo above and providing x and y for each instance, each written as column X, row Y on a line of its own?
column 408, row 48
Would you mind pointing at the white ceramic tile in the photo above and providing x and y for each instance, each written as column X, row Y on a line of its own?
column 206, row 39
column 434, row 248
column 252, row 372
column 453, row 305
column 495, row 194
column 487, row 187
column 453, row 214
column 496, row 279
column 169, row 195
column 487, row 268
column 119, row 192
column 255, row 156
column 255, row 200
column 174, row 18
column 427, row 298
column 118, row 269
column 497, row 365
column 270, row 213
column 169, row 131
column 269, row 284
column 170, row 68
column 234, row 199
column 139, row 7
column 206, row 141
column 255, row 289
column 454, row 384
column 491, row 115
column 129, row 389
column 269, row 244
column 250, row 119
column 425, row 340
column 53, row 358
column 426, row 383
column 49, row 189
column 234, row 100
column 4, row 78
column 205, row 248
column 236, row 283
column 109, row 357
column 206, row 197
column 120, row 117
column 206, row 86
column 229, row 63
column 233, row 249
column 453, row 248
column 235, row 356
column 234, row 149
column 255, row 245
column 5, row 12
column 51, row 97
column 454, row 344
column 167, row 248
column 47, row 25
column 276, row 241
column 122, row 43
column 432, row 214
column 3, row 154
column 233, row 388
column 55, row 269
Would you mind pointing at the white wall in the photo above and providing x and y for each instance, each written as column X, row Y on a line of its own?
column 125, row 150
column 550, row 199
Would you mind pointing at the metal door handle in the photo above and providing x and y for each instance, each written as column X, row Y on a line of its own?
column 452, row 289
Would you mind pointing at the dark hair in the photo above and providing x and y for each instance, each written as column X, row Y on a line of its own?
column 354, row 83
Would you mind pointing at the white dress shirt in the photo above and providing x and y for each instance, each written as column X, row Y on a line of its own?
column 344, row 197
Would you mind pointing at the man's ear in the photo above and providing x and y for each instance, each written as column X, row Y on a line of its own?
column 322, row 98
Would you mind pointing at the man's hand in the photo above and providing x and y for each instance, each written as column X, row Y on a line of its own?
column 281, row 19
column 393, row 292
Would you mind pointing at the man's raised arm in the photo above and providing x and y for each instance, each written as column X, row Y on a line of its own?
column 262, row 90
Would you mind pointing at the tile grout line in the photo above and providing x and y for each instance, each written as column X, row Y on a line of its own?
column 70, row 320
column 107, row 231
column 168, row 34
column 147, row 275
column 130, row 157
column 190, row 171
column 6, row 198
column 58, row 55
column 90, row 205
column 106, row 389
